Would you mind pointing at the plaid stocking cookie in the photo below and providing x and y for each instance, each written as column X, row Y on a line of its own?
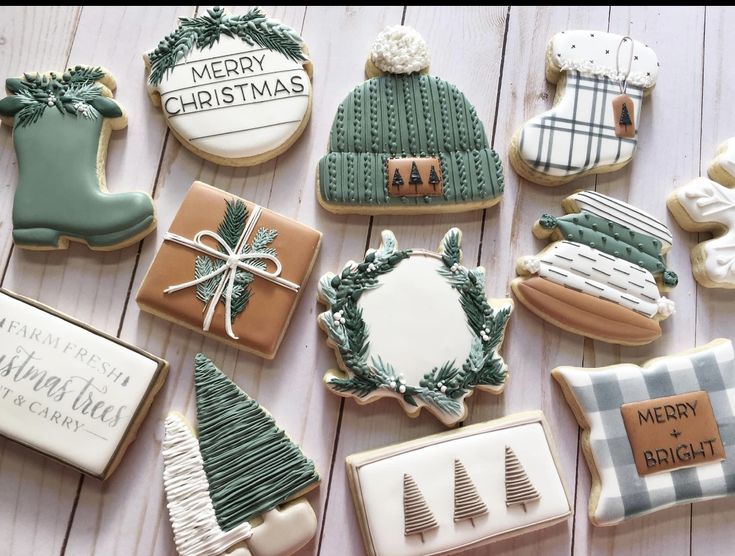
column 601, row 80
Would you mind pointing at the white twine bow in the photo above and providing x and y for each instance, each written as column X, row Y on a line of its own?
column 234, row 260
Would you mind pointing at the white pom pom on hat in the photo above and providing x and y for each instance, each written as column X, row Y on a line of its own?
column 398, row 50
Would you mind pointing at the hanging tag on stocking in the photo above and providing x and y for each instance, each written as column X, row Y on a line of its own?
column 622, row 104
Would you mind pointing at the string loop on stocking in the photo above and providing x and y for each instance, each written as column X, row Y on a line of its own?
column 623, row 81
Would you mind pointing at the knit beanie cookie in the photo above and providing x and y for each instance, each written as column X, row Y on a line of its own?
column 405, row 141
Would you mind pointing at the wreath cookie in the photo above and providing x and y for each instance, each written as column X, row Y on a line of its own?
column 601, row 80
column 61, row 127
column 405, row 142
column 234, row 89
column 414, row 325
column 601, row 276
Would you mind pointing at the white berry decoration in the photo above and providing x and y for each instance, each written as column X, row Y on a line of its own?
column 400, row 50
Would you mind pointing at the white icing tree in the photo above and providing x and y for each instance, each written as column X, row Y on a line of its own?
column 195, row 527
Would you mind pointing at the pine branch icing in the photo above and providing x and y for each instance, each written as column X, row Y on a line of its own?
column 193, row 520
column 75, row 92
column 443, row 388
column 251, row 464
column 253, row 28
column 224, row 275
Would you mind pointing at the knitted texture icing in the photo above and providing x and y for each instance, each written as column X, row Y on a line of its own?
column 400, row 49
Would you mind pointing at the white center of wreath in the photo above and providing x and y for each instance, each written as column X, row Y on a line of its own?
column 415, row 320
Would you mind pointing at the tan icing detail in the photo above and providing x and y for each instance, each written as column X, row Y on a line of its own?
column 584, row 314
column 468, row 503
column 617, row 106
column 262, row 324
column 518, row 487
column 672, row 432
column 417, row 516
column 424, row 165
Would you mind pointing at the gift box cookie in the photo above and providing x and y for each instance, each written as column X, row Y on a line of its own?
column 460, row 489
column 68, row 391
column 230, row 269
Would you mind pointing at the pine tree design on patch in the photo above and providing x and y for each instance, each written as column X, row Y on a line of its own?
column 231, row 229
column 354, row 301
column 242, row 466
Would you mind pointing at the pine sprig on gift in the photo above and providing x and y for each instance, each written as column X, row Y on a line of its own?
column 233, row 223
column 254, row 28
column 204, row 265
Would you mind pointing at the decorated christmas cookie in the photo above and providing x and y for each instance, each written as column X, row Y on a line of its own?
column 230, row 269
column 414, row 325
column 601, row 79
column 69, row 391
column 658, row 435
column 705, row 205
column 234, row 89
column 61, row 126
column 601, row 276
column 460, row 489
column 407, row 143
column 241, row 469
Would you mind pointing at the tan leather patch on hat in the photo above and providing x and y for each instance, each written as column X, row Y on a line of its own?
column 672, row 432
column 415, row 177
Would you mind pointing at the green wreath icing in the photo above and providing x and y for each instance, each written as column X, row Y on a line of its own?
column 407, row 116
column 442, row 387
column 253, row 28
column 75, row 92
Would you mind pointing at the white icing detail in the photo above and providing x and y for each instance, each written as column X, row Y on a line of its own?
column 243, row 102
column 82, row 363
column 624, row 214
column 415, row 319
column 531, row 265
column 234, row 259
column 666, row 307
column 706, row 201
column 400, row 49
column 193, row 520
column 585, row 269
column 596, row 55
column 432, row 464
column 726, row 158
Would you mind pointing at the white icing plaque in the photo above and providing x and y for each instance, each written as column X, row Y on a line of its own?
column 514, row 493
column 67, row 390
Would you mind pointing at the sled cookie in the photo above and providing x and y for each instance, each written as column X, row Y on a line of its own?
column 601, row 79
column 601, row 276
column 61, row 127
column 705, row 205
column 234, row 89
column 404, row 142
column 658, row 435
column 242, row 468
column 416, row 326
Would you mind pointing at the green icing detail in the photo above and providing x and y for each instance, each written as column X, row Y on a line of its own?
column 547, row 221
column 74, row 92
column 59, row 190
column 230, row 229
column 612, row 238
column 251, row 465
column 443, row 385
column 254, row 28
column 670, row 278
column 407, row 116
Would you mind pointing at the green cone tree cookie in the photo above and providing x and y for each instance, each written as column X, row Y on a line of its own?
column 61, row 127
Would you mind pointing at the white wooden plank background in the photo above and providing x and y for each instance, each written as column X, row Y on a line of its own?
column 495, row 55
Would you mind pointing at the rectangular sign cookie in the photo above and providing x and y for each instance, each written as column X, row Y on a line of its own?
column 459, row 489
column 69, row 391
